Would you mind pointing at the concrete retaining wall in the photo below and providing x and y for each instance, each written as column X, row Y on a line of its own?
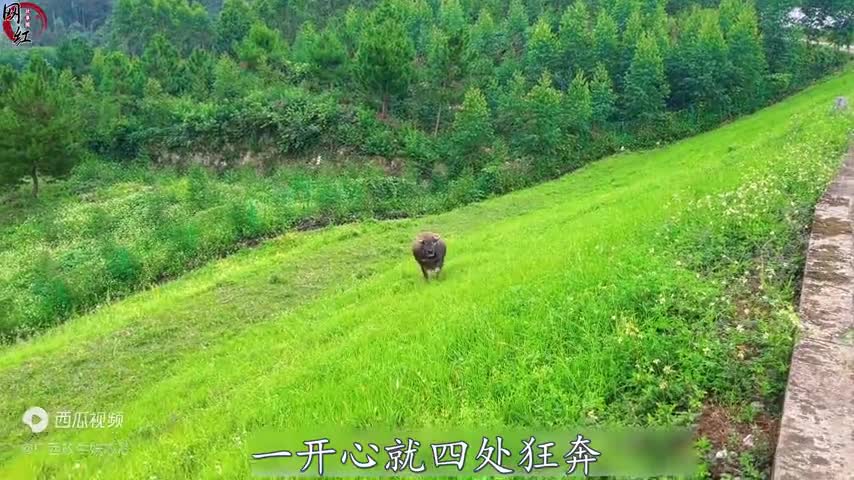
column 817, row 428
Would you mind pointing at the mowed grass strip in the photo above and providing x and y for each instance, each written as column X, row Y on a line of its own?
column 553, row 302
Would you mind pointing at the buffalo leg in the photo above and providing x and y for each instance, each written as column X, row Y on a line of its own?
column 424, row 271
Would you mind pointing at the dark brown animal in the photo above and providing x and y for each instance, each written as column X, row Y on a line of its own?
column 429, row 251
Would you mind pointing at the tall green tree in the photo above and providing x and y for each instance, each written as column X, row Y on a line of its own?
column 728, row 12
column 602, row 96
column 481, row 50
column 606, row 42
column 700, row 65
column 40, row 134
column 515, row 28
column 440, row 68
column 117, row 74
column 322, row 51
column 161, row 61
column 446, row 51
column 235, row 20
column 130, row 24
column 541, row 132
column 200, row 74
column 263, row 50
column 631, row 35
column 452, row 18
column 576, row 40
column 646, row 87
column 384, row 59
column 511, row 107
column 230, row 82
column 186, row 25
column 76, row 55
column 659, row 25
column 778, row 40
column 578, row 105
column 543, row 52
column 621, row 11
column 749, row 66
column 472, row 132
column 8, row 77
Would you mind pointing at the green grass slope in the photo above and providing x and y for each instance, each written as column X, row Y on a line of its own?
column 635, row 291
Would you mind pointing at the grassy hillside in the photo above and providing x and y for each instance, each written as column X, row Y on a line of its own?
column 644, row 289
column 112, row 229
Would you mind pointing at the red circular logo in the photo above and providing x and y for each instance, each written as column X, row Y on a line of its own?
column 18, row 19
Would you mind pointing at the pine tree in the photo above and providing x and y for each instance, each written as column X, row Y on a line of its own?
column 511, row 107
column 131, row 26
column 351, row 27
column 134, row 22
column 200, row 73
column 536, row 8
column 472, row 132
column 631, row 36
column 235, row 20
column 749, row 67
column 452, row 19
column 483, row 37
column 117, row 74
column 304, row 43
column 440, row 71
column 602, row 95
column 162, row 62
column 542, row 131
column 700, row 65
column 420, row 23
column 323, row 52
column 516, row 27
column 74, row 54
column 481, row 50
column 187, row 24
column 646, row 87
column 543, row 51
column 576, row 40
column 230, row 82
column 446, row 50
column 606, row 42
column 384, row 59
column 659, row 25
column 8, row 77
column 621, row 11
column 578, row 103
column 41, row 133
column 263, row 49
column 729, row 10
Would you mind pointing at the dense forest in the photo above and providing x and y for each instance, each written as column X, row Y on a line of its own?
column 456, row 100
column 513, row 91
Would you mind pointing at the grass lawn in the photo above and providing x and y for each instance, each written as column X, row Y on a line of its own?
column 644, row 289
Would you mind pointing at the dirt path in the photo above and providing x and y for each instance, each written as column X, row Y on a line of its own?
column 817, row 428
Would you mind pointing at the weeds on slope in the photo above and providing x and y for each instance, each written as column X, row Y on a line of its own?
column 110, row 230
column 747, row 246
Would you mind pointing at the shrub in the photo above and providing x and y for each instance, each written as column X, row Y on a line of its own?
column 464, row 190
column 779, row 84
column 390, row 196
column 200, row 193
column 123, row 267
column 244, row 219
column 420, row 149
column 52, row 298
column 377, row 137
